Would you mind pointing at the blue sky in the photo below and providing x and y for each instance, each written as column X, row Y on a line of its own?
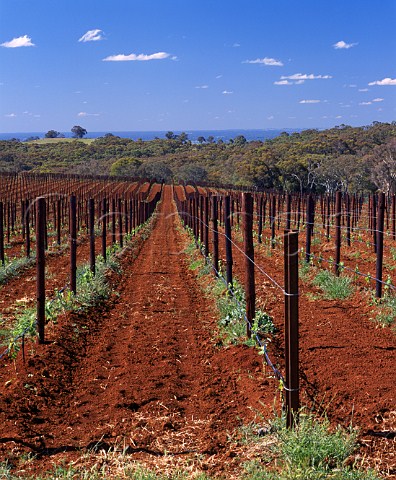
column 116, row 65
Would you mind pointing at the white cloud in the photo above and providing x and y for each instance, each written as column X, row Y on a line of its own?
column 269, row 62
column 219, row 76
column 309, row 101
column 10, row 115
column 202, row 86
column 338, row 116
column 92, row 36
column 378, row 100
column 271, row 117
column 24, row 41
column 365, row 103
column 385, row 81
column 342, row 45
column 236, row 45
column 283, row 82
column 363, row 90
column 226, row 92
column 301, row 76
column 139, row 58
column 85, row 114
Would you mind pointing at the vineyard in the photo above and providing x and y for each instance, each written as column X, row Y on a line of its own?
column 111, row 292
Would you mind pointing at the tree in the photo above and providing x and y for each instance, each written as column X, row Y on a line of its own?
column 154, row 170
column 383, row 172
column 52, row 134
column 170, row 135
column 210, row 139
column 182, row 137
column 78, row 131
column 201, row 139
column 125, row 166
column 239, row 140
column 192, row 173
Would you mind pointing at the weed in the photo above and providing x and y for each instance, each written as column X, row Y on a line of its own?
column 309, row 451
column 386, row 309
column 12, row 268
column 333, row 287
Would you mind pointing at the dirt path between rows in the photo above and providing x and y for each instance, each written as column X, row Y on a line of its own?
column 143, row 371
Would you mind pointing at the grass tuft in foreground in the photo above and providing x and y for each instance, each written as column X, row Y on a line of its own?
column 333, row 287
column 310, row 451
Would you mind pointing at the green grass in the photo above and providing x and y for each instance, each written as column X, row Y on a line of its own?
column 333, row 287
column 111, row 465
column 91, row 290
column 310, row 451
column 385, row 313
column 12, row 268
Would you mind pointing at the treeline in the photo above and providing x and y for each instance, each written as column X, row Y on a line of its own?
column 353, row 159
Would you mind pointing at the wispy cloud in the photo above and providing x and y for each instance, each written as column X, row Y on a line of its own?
column 85, row 114
column 269, row 62
column 92, row 36
column 385, row 81
column 309, row 101
column 227, row 92
column 304, row 76
column 10, row 115
column 283, row 82
column 202, row 86
column 137, row 58
column 365, row 103
column 300, row 78
column 343, row 45
column 363, row 90
column 236, row 45
column 23, row 41
column 378, row 100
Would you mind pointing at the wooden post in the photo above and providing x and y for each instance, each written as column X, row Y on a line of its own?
column 2, row 258
column 309, row 227
column 380, row 245
column 27, row 228
column 104, row 232
column 206, row 226
column 58, row 221
column 328, row 216
column 260, row 218
column 121, row 240
column 338, row 208
column 250, row 293
column 291, row 328
column 91, row 210
column 394, row 217
column 288, row 211
column 374, row 226
column 113, row 221
column 73, row 243
column 215, row 235
column 201, row 220
column 228, row 244
column 348, row 218
column 273, row 220
column 40, row 267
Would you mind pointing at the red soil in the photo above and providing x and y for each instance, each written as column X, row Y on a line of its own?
column 142, row 371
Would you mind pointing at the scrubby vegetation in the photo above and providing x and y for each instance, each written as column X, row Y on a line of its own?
column 348, row 158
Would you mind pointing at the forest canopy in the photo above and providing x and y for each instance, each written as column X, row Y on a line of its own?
column 352, row 159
